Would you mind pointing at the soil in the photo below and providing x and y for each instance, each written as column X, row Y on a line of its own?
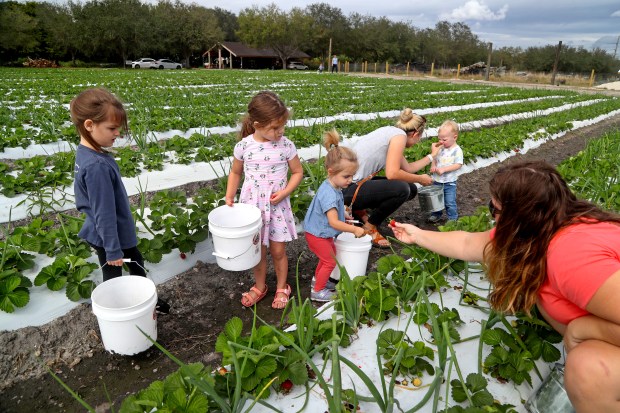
column 203, row 299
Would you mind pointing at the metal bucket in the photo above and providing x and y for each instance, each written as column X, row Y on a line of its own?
column 551, row 396
column 431, row 198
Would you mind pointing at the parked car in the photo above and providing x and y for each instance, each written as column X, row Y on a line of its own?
column 168, row 64
column 144, row 63
column 297, row 65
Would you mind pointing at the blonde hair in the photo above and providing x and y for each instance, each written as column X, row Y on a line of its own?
column 336, row 153
column 264, row 108
column 98, row 105
column 411, row 122
column 450, row 124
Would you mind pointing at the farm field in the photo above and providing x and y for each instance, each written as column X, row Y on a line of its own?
column 187, row 120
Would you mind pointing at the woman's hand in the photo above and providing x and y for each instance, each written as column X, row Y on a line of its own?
column 404, row 232
column 435, row 148
column 425, row 180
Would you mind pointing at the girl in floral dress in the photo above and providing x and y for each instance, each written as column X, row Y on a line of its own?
column 264, row 156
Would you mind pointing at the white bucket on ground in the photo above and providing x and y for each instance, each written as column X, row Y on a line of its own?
column 236, row 236
column 352, row 253
column 121, row 305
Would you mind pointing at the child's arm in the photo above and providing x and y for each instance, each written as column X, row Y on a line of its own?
column 338, row 225
column 297, row 174
column 448, row 168
column 234, row 177
column 433, row 165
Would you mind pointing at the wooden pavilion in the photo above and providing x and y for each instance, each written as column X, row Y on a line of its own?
column 236, row 55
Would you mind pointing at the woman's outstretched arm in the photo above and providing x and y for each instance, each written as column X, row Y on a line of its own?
column 467, row 246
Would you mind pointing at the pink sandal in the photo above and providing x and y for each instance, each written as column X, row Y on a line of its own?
column 280, row 302
column 248, row 301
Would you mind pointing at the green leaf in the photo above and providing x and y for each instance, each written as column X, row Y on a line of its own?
column 550, row 353
column 19, row 297
column 86, row 288
column 265, row 367
column 176, row 400
column 233, row 328
column 9, row 284
column 388, row 263
column 458, row 392
column 72, row 292
column 56, row 284
column 298, row 373
column 482, row 398
column 476, row 382
column 197, row 403
column 492, row 337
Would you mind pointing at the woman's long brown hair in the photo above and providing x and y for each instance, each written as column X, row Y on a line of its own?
column 535, row 204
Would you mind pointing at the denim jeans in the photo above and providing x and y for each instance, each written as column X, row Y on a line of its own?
column 449, row 200
column 382, row 195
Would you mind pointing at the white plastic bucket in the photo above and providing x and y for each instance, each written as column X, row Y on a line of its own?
column 236, row 236
column 121, row 305
column 352, row 253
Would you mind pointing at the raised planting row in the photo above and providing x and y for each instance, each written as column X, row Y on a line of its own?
column 34, row 103
column 23, row 176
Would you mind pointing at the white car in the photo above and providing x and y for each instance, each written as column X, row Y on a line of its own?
column 167, row 64
column 297, row 65
column 144, row 63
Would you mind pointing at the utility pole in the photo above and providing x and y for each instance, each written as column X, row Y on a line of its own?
column 616, row 48
column 329, row 56
column 486, row 74
column 555, row 63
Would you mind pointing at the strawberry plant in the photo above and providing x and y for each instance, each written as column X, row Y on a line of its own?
column 68, row 271
column 176, row 393
column 450, row 317
column 507, row 360
column 475, row 389
column 416, row 357
column 14, row 290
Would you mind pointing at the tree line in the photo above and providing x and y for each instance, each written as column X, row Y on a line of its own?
column 120, row 30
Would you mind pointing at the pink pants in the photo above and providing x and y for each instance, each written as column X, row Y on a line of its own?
column 325, row 250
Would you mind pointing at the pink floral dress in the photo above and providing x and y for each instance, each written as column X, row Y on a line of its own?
column 265, row 166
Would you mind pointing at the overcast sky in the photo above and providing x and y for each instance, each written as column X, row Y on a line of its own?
column 503, row 22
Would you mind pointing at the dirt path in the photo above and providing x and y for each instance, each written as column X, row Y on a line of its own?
column 203, row 299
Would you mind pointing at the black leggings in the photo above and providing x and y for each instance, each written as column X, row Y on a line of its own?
column 382, row 195
column 136, row 267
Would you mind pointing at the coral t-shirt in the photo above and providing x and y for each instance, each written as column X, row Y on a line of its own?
column 580, row 258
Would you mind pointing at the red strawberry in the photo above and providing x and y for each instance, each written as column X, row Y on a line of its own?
column 286, row 386
column 182, row 255
column 392, row 223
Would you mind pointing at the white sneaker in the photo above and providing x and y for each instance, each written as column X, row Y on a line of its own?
column 323, row 296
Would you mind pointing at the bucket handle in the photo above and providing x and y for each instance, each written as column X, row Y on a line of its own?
column 220, row 255
column 129, row 260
